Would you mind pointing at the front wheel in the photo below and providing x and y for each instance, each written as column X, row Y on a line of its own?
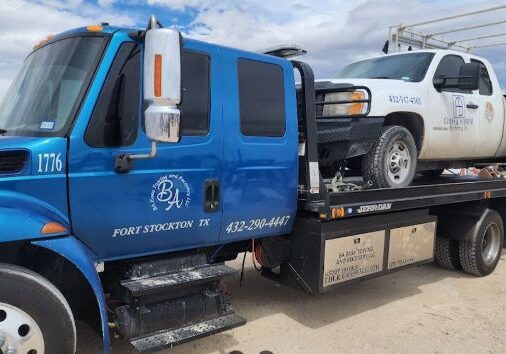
column 35, row 318
column 391, row 162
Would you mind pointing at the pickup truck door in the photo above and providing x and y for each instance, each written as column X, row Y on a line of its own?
column 488, row 105
column 452, row 127
column 159, row 204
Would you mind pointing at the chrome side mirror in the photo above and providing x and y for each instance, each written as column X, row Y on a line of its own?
column 162, row 91
column 162, row 85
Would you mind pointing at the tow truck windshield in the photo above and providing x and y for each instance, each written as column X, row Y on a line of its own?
column 46, row 93
column 408, row 67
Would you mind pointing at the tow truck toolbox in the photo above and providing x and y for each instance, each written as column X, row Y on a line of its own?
column 135, row 163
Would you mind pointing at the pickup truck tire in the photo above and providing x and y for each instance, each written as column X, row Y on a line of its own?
column 35, row 318
column 391, row 161
column 447, row 253
column 480, row 254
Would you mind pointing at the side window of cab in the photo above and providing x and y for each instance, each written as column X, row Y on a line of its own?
column 485, row 87
column 115, row 119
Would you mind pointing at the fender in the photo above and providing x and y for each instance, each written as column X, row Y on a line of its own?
column 23, row 216
column 83, row 259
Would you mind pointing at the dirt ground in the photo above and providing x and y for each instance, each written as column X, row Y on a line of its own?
column 423, row 309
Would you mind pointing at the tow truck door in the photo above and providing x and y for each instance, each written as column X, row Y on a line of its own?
column 259, row 187
column 159, row 204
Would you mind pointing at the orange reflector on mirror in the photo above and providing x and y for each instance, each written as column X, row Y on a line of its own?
column 158, row 75
column 53, row 228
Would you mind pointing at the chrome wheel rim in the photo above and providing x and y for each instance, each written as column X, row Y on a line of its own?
column 19, row 333
column 491, row 243
column 398, row 163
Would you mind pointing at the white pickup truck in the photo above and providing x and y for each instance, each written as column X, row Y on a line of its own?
column 428, row 110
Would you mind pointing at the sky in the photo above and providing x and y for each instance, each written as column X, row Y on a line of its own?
column 334, row 32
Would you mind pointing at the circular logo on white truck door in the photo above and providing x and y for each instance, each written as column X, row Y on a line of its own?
column 169, row 192
column 489, row 111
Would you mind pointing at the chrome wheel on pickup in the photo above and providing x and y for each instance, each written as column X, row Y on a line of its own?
column 399, row 162
column 35, row 318
column 391, row 161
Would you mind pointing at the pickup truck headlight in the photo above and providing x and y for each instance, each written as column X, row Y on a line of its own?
column 349, row 103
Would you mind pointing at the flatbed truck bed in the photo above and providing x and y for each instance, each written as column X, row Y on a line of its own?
column 424, row 193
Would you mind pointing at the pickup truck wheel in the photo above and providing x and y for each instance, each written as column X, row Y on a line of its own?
column 447, row 253
column 391, row 162
column 480, row 254
column 35, row 318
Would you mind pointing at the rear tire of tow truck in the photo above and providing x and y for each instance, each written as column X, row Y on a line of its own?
column 35, row 318
column 480, row 255
column 447, row 253
column 391, row 161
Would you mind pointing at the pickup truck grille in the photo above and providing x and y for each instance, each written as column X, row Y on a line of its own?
column 13, row 161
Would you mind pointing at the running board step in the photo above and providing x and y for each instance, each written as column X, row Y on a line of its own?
column 186, row 277
column 170, row 338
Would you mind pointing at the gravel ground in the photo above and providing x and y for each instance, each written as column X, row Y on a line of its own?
column 419, row 310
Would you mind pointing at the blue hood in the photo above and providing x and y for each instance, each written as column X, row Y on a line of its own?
column 36, row 192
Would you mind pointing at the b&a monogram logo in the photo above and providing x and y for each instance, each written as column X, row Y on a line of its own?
column 170, row 191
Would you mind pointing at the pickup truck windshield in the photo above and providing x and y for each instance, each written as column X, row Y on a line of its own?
column 44, row 95
column 408, row 67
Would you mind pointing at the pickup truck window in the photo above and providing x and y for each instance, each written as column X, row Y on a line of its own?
column 115, row 119
column 48, row 90
column 485, row 82
column 408, row 67
column 261, row 98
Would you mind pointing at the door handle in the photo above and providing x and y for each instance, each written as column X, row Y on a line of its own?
column 471, row 105
column 211, row 195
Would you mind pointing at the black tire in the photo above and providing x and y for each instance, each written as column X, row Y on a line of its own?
column 36, row 296
column 432, row 173
column 447, row 253
column 480, row 254
column 376, row 164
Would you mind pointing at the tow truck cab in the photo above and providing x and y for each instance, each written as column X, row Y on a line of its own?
column 77, row 106
column 77, row 183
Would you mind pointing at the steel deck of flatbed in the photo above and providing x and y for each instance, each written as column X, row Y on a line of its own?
column 423, row 194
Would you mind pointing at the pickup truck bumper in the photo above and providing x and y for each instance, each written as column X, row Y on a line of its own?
column 344, row 138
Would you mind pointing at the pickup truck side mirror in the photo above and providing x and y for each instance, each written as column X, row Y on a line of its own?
column 162, row 85
column 469, row 76
column 468, row 79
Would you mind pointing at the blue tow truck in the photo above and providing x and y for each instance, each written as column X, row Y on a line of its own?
column 135, row 163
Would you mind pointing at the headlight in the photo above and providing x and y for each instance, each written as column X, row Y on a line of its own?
column 350, row 103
